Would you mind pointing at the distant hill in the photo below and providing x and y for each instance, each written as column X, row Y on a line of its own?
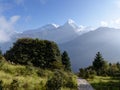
column 83, row 48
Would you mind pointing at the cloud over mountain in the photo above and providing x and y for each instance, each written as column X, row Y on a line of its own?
column 7, row 27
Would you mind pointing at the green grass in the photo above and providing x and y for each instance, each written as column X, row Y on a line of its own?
column 105, row 83
column 26, row 77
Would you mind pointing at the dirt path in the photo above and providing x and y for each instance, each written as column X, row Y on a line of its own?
column 84, row 85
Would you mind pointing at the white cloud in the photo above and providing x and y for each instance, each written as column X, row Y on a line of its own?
column 13, row 19
column 83, row 29
column 115, row 23
column 104, row 23
column 117, row 3
column 7, row 27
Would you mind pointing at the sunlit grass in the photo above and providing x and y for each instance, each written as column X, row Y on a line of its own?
column 28, row 77
column 99, row 82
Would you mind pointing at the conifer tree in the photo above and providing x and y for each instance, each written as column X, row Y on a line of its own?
column 99, row 64
column 66, row 61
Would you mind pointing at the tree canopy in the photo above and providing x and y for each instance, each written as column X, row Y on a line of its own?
column 40, row 53
column 98, row 62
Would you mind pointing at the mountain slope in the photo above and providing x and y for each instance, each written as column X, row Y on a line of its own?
column 53, row 32
column 83, row 49
column 59, row 34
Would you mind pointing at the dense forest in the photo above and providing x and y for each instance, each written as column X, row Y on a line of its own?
column 33, row 64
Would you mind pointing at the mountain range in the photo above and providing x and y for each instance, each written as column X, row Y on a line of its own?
column 81, row 43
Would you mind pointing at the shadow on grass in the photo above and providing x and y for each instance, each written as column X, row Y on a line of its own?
column 106, row 85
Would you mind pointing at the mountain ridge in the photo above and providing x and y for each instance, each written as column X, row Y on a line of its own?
column 81, row 45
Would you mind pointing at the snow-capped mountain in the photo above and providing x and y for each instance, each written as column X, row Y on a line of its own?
column 82, row 43
column 59, row 34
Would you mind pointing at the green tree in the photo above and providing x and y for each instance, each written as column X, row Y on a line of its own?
column 99, row 64
column 66, row 61
column 39, row 53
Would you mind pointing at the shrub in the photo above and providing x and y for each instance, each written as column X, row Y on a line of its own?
column 71, row 83
column 14, row 85
column 55, row 83
column 1, row 86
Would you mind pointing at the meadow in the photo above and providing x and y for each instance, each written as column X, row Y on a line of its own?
column 105, row 83
column 21, row 77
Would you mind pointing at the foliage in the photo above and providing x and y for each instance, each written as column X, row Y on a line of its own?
column 99, row 64
column 105, row 83
column 55, row 83
column 22, row 77
column 33, row 64
column 100, row 67
column 40, row 53
column 66, row 61
column 1, row 86
column 71, row 83
column 14, row 85
column 67, row 80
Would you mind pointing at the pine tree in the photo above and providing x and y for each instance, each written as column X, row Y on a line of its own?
column 66, row 61
column 99, row 64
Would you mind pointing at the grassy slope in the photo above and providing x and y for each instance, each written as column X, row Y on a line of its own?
column 105, row 83
column 28, row 78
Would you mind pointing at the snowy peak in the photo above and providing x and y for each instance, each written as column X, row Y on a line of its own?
column 49, row 27
column 71, row 24
column 70, row 21
column 55, row 25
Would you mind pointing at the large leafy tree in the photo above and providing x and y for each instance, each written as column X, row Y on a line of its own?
column 66, row 61
column 40, row 53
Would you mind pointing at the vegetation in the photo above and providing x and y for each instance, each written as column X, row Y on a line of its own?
column 105, row 83
column 66, row 61
column 99, row 64
column 102, row 75
column 60, row 79
column 33, row 64
column 39, row 53
column 100, row 67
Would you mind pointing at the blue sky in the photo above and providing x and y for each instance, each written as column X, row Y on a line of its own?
column 21, row 15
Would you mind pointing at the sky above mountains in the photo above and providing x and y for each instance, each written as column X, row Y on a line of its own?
column 20, row 15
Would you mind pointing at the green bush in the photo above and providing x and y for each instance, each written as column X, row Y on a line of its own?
column 1, row 86
column 14, row 85
column 55, row 83
column 71, row 83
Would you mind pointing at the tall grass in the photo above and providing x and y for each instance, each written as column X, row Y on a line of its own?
column 18, row 77
column 105, row 83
